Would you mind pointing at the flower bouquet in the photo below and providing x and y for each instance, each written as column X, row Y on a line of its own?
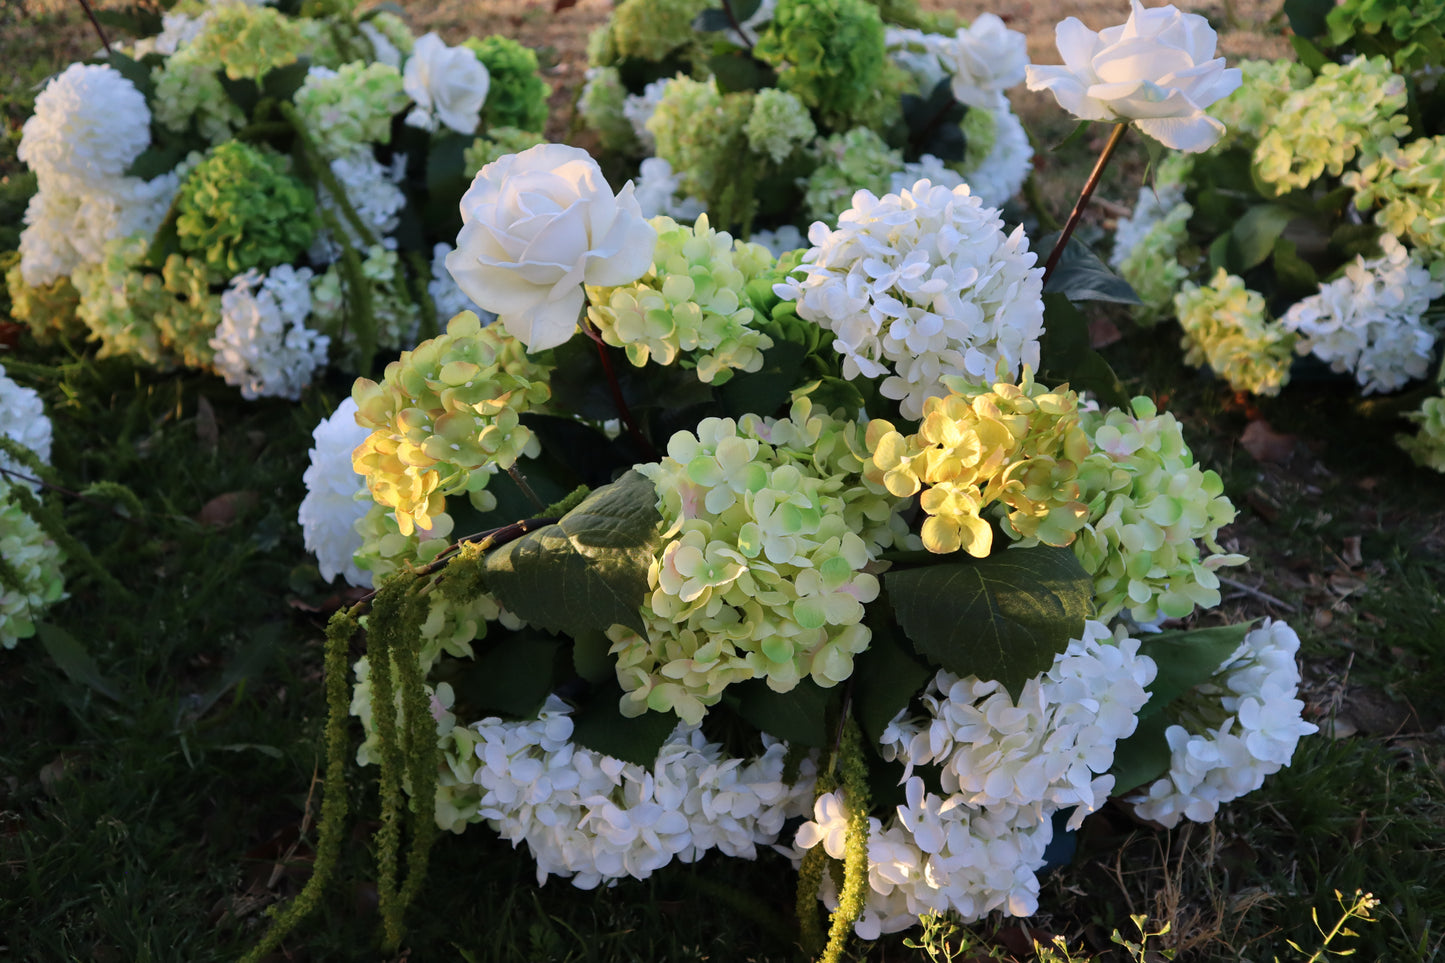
column 256, row 190
column 701, row 548
column 1310, row 235
column 768, row 115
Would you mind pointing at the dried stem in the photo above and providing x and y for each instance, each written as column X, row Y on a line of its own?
column 1083, row 201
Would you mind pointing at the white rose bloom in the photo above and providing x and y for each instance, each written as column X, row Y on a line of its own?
column 1158, row 70
column 538, row 225
column 449, row 84
column 983, row 60
column 262, row 343
column 918, row 53
column 331, row 509
column 381, row 46
column 89, row 122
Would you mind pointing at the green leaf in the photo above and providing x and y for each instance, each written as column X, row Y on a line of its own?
column 740, row 71
column 1350, row 240
column 1295, row 276
column 134, row 71
column 153, row 162
column 1074, row 135
column 591, row 656
column 743, row 9
column 515, row 677
column 885, row 677
column 711, row 21
column 282, row 82
column 244, row 93
column 1309, row 54
column 764, row 391
column 72, row 659
column 1186, row 659
column 1004, row 617
column 1143, row 757
column 1081, row 276
column 587, row 571
column 600, row 725
column 1252, row 239
column 1065, row 353
column 800, row 715
column 1307, row 17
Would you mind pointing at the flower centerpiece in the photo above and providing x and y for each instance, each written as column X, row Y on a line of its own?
column 768, row 115
column 700, row 548
column 258, row 194
column 1308, row 235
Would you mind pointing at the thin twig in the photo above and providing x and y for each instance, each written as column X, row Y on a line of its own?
column 1262, row 596
column 521, row 481
column 42, row 483
column 96, row 24
column 489, row 539
column 1083, row 200
column 618, row 401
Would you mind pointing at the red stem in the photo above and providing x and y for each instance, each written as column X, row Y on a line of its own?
column 1083, row 200
column 623, row 411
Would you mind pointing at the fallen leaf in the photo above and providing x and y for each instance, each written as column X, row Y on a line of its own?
column 1351, row 554
column 1265, row 444
column 208, row 432
column 224, row 509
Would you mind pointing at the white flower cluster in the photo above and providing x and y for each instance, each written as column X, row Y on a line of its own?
column 373, row 195
column 919, row 285
column 594, row 818
column 1006, row 768
column 332, row 506
column 1370, row 321
column 1214, row 763
column 998, row 156
column 657, row 190
column 29, row 553
column 639, row 108
column 262, row 343
column 90, row 124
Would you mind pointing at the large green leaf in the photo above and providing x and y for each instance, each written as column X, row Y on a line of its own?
column 1004, row 617
column 799, row 715
column 514, row 678
column 1081, row 276
column 1185, row 659
column 1143, row 757
column 600, row 725
column 587, row 571
column 1252, row 239
column 1066, row 355
column 72, row 659
column 885, row 678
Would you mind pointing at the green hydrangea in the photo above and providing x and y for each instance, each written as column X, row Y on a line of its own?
column 188, row 89
column 49, row 310
column 517, row 96
column 1404, row 185
column 701, row 133
column 1411, row 31
column 30, row 579
column 1251, row 109
column 247, row 41
column 980, row 135
column 1321, row 127
column 241, row 208
column 760, row 575
column 1225, row 327
column 444, row 419
column 855, row 160
column 393, row 28
column 498, row 142
column 652, row 29
column 601, row 103
column 779, row 124
column 1152, row 266
column 394, row 310
column 1427, row 445
column 690, row 307
column 385, row 550
column 1149, row 508
column 830, row 53
column 601, row 48
column 352, row 107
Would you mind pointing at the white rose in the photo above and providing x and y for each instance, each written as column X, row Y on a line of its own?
column 448, row 84
column 538, row 225
column 984, row 59
column 1157, row 70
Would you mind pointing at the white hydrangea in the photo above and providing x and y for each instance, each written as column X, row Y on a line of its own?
column 983, row 60
column 23, row 421
column 780, row 240
column 262, row 344
column 449, row 299
column 917, row 53
column 373, row 195
column 922, row 284
column 1255, row 690
column 596, row 819
column 1154, row 203
column 331, row 508
column 1370, row 321
column 177, row 31
column 927, row 168
column 998, row 173
column 89, row 122
column 656, row 189
column 639, row 108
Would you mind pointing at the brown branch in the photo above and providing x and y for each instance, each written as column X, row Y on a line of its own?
column 1083, row 200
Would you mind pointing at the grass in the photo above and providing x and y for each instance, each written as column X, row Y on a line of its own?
column 157, row 798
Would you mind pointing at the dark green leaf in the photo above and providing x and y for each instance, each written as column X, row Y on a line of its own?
column 1143, row 757
column 601, row 726
column 765, row 390
column 1309, row 54
column 743, row 9
column 1307, row 17
column 1186, row 659
column 248, row 664
column 1252, row 239
column 1081, row 276
column 244, row 93
column 515, row 677
column 711, row 21
column 800, row 716
column 1066, row 355
column 885, row 677
column 282, row 82
column 1003, row 617
column 1350, row 240
column 153, row 162
column 72, row 659
column 740, row 71
column 588, row 571
column 591, row 656
column 1295, row 276
column 1219, row 253
column 1074, row 135
column 137, row 73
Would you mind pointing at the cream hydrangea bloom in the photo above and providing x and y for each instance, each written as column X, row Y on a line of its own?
column 331, row 508
column 1157, row 70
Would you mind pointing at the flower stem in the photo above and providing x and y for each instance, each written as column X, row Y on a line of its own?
column 96, row 24
column 1083, row 200
column 620, row 402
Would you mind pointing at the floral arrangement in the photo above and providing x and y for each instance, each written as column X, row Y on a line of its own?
column 257, row 192
column 769, row 115
column 30, row 559
column 1309, row 235
column 698, row 547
